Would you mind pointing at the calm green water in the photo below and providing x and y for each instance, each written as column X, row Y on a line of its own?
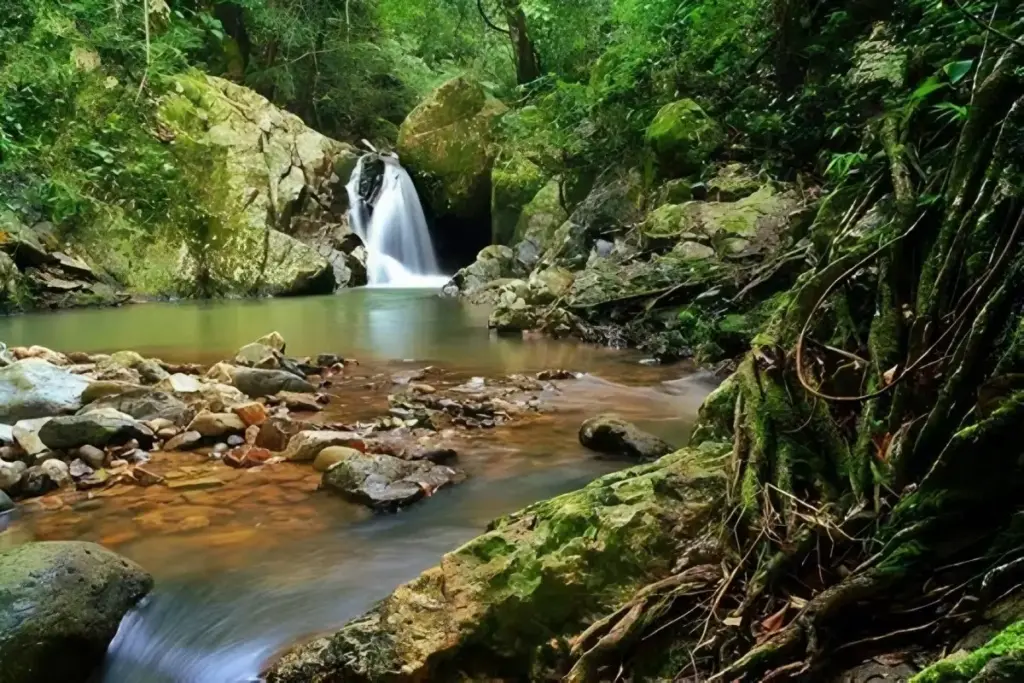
column 368, row 324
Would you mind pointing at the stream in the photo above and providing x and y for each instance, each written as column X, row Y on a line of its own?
column 247, row 569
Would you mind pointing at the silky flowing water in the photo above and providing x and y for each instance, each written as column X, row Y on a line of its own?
column 250, row 567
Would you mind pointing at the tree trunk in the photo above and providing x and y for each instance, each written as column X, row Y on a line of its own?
column 527, row 60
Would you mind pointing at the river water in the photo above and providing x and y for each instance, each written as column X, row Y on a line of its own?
column 265, row 560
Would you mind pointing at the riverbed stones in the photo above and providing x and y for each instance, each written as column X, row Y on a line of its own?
column 99, row 427
column 11, row 474
column 252, row 413
column 611, row 435
column 183, row 441
column 213, row 425
column 546, row 572
column 33, row 388
column 144, row 404
column 384, row 482
column 305, row 446
column 256, row 382
column 92, row 456
column 256, row 355
column 60, row 606
column 26, row 434
column 58, row 471
column 180, row 383
column 6, row 504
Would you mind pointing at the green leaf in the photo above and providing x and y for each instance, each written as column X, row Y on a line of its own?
column 957, row 70
column 927, row 88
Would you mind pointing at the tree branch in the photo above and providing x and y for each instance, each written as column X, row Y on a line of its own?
column 487, row 19
column 987, row 27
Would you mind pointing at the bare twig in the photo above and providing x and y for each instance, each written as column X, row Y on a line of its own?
column 145, row 75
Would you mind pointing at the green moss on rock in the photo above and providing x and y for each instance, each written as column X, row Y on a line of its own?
column 683, row 138
column 515, row 181
column 964, row 667
column 544, row 572
column 447, row 142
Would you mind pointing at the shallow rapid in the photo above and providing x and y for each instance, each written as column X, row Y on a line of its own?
column 244, row 571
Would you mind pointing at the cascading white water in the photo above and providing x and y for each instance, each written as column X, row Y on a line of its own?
column 394, row 229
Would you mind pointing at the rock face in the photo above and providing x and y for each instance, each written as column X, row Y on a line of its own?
column 384, row 482
column 683, row 138
column 447, row 144
column 34, row 388
column 538, row 575
column 283, row 196
column 612, row 435
column 60, row 606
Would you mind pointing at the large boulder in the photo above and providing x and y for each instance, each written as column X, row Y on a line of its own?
column 537, row 577
column 447, row 143
column 683, row 138
column 494, row 263
column 515, row 181
column 541, row 217
column 60, row 606
column 34, row 388
column 280, row 197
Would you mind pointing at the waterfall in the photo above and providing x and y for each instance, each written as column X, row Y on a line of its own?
column 386, row 213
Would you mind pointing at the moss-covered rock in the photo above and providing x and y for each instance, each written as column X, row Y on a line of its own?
column 541, row 217
column 755, row 224
column 493, row 263
column 272, row 165
column 1004, row 653
column 447, row 143
column 540, row 574
column 515, row 181
column 60, row 606
column 683, row 138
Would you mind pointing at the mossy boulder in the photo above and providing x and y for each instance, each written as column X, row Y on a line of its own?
column 538, row 575
column 447, row 143
column 612, row 208
column 683, row 138
column 272, row 167
column 541, row 217
column 60, row 606
column 755, row 224
column 515, row 181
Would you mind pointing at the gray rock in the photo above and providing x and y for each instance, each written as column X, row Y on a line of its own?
column 100, row 427
column 183, row 441
column 145, row 405
column 11, row 474
column 92, row 456
column 79, row 469
column 6, row 504
column 216, row 424
column 256, row 382
column 612, row 435
column 36, row 482
column 305, row 446
column 6, row 435
column 34, row 388
column 384, row 482
column 26, row 433
column 60, row 605
column 58, row 472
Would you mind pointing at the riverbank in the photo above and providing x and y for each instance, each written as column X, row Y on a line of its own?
column 224, row 532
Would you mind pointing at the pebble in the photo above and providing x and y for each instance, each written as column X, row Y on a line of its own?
column 235, row 440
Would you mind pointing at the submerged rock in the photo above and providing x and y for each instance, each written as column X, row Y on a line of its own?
column 60, row 606
column 34, row 388
column 384, row 482
column 542, row 574
column 612, row 435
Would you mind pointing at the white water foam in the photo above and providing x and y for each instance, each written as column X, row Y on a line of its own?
column 394, row 229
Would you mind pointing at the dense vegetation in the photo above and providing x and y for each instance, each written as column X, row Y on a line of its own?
column 874, row 418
